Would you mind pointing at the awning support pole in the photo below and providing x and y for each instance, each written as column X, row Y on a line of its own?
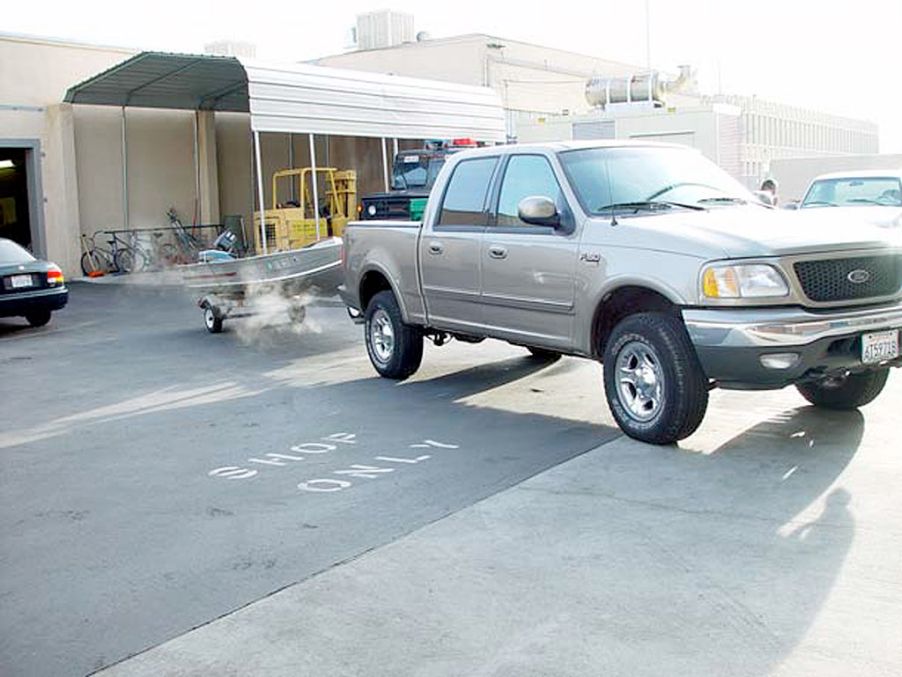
column 294, row 191
column 197, row 207
column 384, row 165
column 124, row 172
column 260, row 190
column 313, row 181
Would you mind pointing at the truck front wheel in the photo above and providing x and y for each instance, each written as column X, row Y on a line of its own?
column 395, row 348
column 845, row 392
column 654, row 384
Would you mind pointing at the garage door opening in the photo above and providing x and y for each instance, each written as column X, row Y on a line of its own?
column 15, row 223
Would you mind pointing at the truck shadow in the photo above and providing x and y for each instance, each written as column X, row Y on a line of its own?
column 742, row 545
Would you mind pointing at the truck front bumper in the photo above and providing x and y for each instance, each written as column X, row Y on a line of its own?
column 765, row 348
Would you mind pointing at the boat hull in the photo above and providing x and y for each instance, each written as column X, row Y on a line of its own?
column 313, row 269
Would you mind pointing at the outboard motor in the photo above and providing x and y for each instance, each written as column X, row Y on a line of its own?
column 226, row 241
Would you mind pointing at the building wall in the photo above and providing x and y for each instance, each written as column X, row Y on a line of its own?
column 712, row 129
column 527, row 77
column 34, row 76
column 772, row 131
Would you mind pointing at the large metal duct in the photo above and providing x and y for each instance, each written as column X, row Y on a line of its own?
column 642, row 87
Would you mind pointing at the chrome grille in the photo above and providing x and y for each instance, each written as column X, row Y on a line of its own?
column 843, row 280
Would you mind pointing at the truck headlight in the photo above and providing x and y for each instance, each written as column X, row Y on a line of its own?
column 755, row 280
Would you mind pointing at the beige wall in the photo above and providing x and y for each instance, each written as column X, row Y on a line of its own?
column 34, row 76
column 527, row 77
column 160, row 166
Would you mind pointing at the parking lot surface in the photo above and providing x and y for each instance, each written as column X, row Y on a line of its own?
column 155, row 477
column 483, row 518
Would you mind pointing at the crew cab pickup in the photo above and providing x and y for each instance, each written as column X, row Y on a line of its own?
column 647, row 257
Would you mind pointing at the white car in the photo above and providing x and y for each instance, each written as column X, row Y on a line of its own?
column 874, row 194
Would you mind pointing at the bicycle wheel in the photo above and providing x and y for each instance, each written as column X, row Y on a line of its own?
column 128, row 260
column 94, row 263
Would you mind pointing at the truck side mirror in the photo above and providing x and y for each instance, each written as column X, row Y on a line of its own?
column 538, row 210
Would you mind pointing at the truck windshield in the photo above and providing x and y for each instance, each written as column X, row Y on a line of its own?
column 415, row 171
column 854, row 191
column 645, row 179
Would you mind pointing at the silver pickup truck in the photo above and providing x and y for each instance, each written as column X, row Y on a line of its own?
column 646, row 257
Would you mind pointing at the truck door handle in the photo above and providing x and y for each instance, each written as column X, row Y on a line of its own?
column 436, row 248
column 498, row 252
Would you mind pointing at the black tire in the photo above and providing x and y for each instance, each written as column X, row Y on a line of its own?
column 849, row 392
column 544, row 355
column 297, row 313
column 38, row 318
column 212, row 321
column 650, row 354
column 395, row 348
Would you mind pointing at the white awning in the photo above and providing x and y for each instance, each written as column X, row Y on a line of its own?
column 300, row 98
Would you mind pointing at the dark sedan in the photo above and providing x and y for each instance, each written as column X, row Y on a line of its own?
column 29, row 288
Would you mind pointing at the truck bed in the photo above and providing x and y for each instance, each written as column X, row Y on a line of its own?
column 394, row 244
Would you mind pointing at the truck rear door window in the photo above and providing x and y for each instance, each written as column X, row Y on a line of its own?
column 465, row 197
column 525, row 176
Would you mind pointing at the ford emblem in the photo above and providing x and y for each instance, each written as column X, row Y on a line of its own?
column 859, row 276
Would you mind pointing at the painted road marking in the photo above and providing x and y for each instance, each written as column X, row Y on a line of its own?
column 329, row 444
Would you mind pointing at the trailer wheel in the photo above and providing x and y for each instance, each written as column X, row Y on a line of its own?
column 297, row 313
column 395, row 348
column 212, row 321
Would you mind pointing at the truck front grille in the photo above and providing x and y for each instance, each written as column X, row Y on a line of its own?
column 387, row 208
column 850, row 279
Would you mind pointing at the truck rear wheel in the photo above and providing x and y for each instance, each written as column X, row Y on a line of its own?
column 654, row 384
column 395, row 348
column 845, row 392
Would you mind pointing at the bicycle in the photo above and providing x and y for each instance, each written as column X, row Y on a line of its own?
column 188, row 245
column 152, row 255
column 121, row 257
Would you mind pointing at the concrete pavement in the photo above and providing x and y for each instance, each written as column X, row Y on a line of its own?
column 769, row 543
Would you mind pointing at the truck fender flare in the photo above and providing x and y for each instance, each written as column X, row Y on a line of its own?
column 373, row 267
column 612, row 284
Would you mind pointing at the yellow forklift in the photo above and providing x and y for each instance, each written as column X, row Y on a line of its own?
column 292, row 224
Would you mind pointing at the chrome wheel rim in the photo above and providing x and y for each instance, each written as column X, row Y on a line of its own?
column 209, row 318
column 640, row 381
column 382, row 336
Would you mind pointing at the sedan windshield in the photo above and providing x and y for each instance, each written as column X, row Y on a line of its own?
column 852, row 191
column 647, row 179
column 11, row 253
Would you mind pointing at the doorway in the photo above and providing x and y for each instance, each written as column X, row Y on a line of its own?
column 14, row 222
column 20, row 194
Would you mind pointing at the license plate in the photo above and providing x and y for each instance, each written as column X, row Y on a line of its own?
column 19, row 281
column 879, row 347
